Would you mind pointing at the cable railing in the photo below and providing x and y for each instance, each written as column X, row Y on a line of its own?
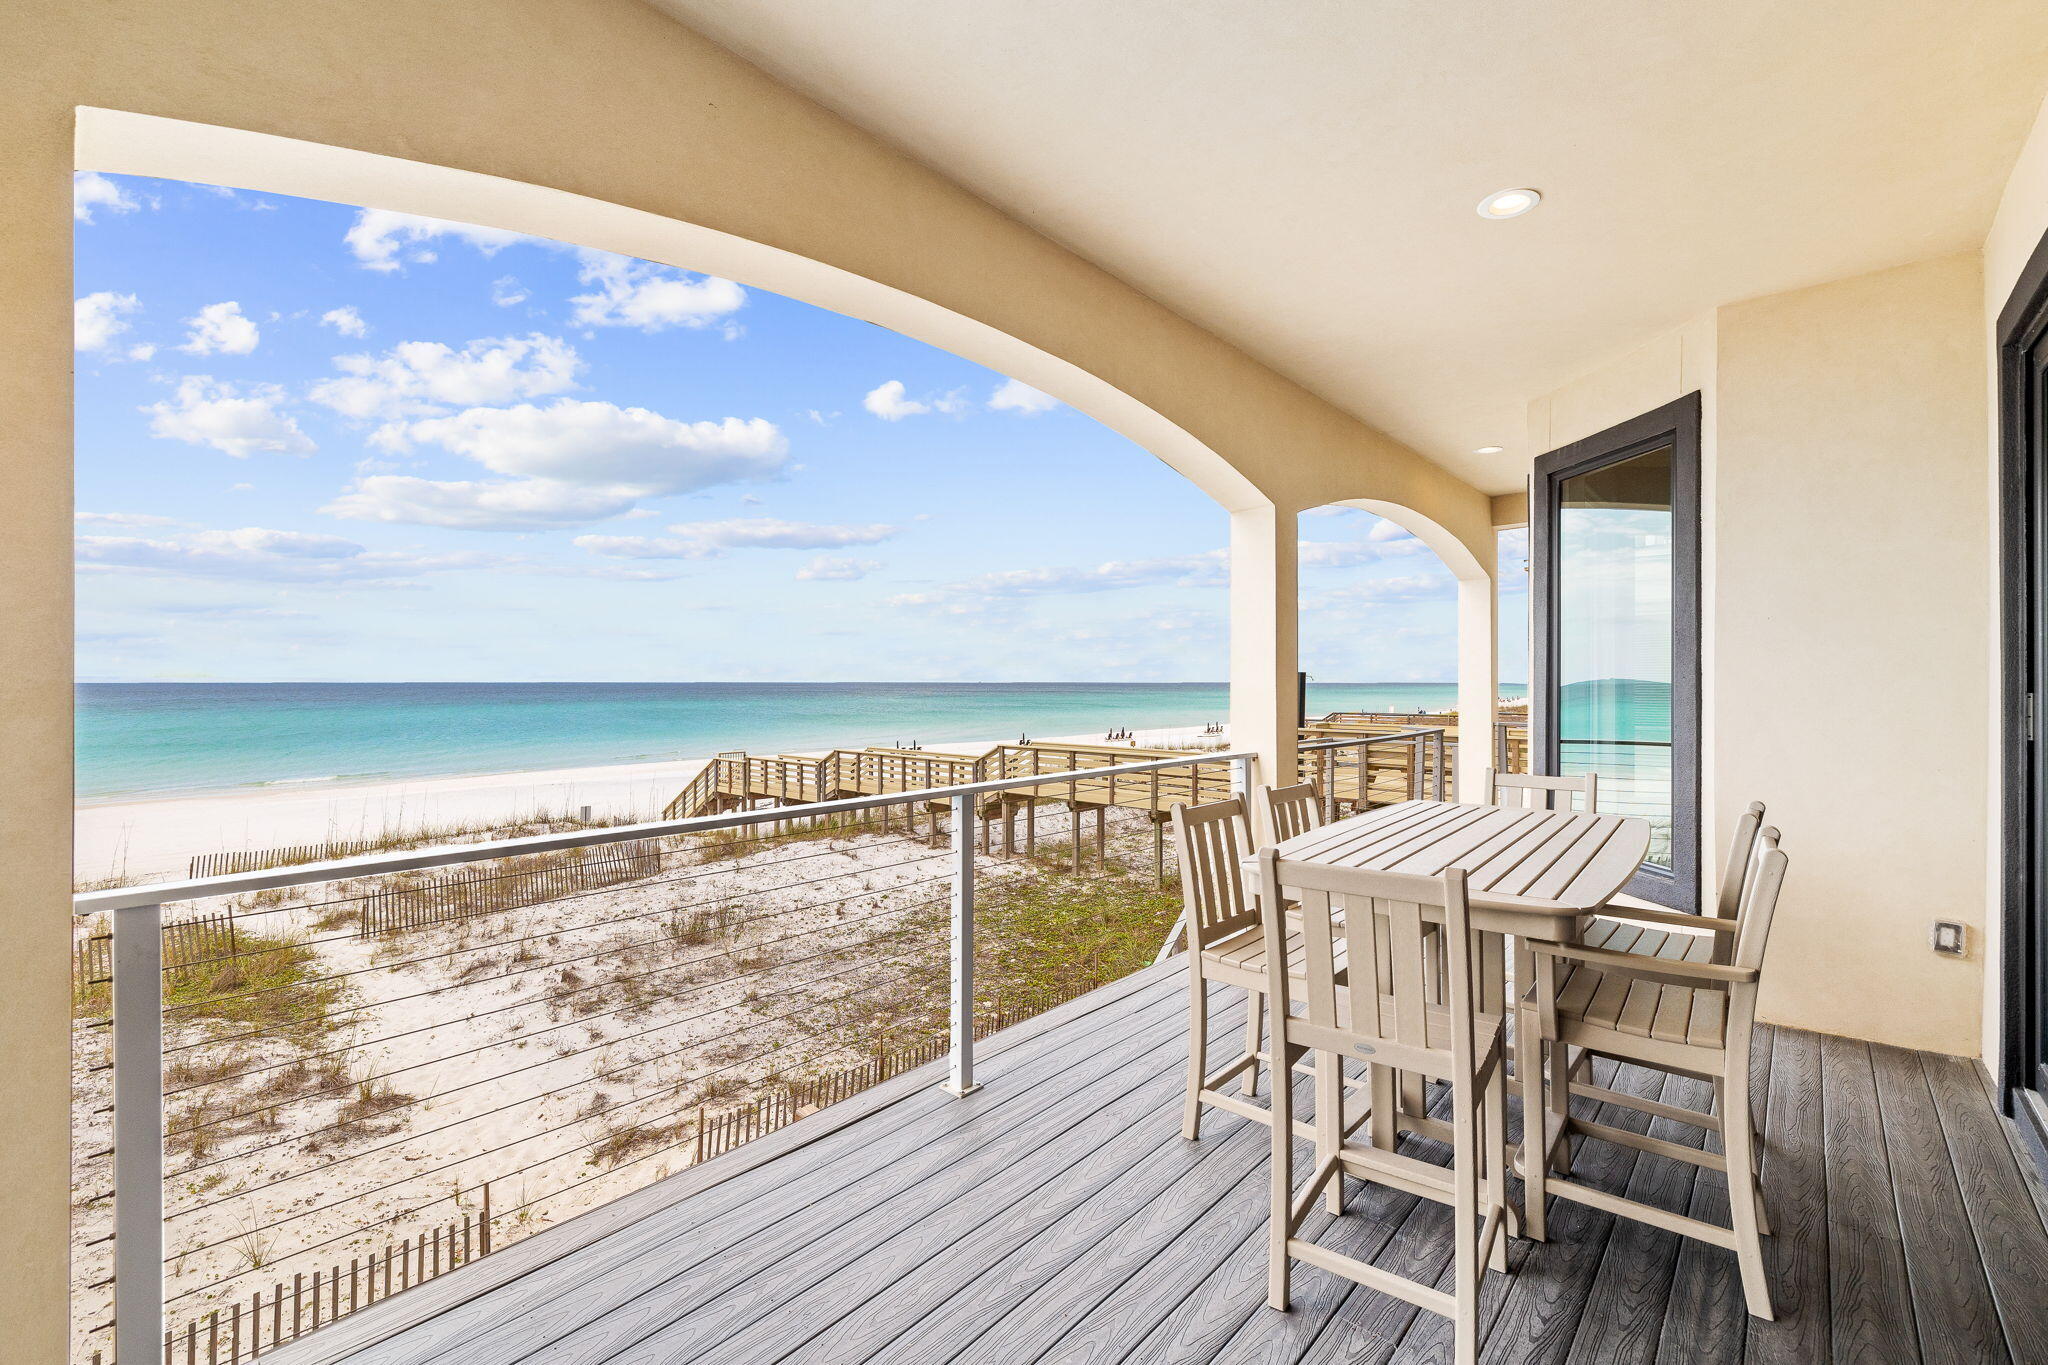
column 302, row 1089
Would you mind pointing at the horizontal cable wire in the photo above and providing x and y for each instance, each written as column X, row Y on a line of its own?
column 472, row 1156
column 523, row 971
column 534, row 938
column 399, row 1071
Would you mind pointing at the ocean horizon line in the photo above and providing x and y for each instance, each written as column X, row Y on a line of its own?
column 137, row 740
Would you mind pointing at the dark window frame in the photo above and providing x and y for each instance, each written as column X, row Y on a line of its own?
column 1676, row 424
column 2022, row 322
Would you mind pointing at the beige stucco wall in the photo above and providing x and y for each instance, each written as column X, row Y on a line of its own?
column 1845, row 623
column 2021, row 223
column 604, row 99
column 1853, row 628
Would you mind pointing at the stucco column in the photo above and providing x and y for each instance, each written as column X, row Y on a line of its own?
column 1478, row 680
column 1263, row 639
column 35, row 734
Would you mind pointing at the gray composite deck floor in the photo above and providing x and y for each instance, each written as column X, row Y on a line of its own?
column 1058, row 1215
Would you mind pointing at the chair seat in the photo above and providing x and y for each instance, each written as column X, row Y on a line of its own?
column 1620, row 1003
column 1240, row 960
column 1619, row 936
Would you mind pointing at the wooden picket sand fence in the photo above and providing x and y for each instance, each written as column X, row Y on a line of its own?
column 263, row 859
column 189, row 944
column 720, row 1133
column 462, row 895
column 240, row 1331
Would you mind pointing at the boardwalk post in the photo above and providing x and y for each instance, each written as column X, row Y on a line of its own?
column 960, row 1081
column 138, row 999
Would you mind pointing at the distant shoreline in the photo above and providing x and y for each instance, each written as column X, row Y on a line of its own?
column 152, row 836
column 174, row 741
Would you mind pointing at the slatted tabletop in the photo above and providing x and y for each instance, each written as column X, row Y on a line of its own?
column 1539, row 862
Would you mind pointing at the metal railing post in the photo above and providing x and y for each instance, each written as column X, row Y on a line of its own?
column 1436, row 744
column 1241, row 775
column 138, row 1000
column 960, row 1080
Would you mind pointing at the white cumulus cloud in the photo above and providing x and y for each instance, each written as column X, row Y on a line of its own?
column 602, row 443
column 479, row 505
column 707, row 539
column 426, row 378
column 837, row 569
column 630, row 293
column 772, row 533
column 384, row 240
column 96, row 319
column 239, row 419
column 91, row 191
column 507, row 292
column 1013, row 395
column 887, row 402
column 254, row 552
column 569, row 461
column 1208, row 569
column 122, row 519
column 346, row 321
column 220, row 328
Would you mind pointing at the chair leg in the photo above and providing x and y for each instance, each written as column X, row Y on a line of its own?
column 1560, row 1099
column 1281, row 1170
column 1254, row 1018
column 1329, row 1124
column 1465, row 1219
column 1756, row 1151
column 1494, row 1152
column 1744, row 1196
column 1535, row 1161
column 1198, row 1051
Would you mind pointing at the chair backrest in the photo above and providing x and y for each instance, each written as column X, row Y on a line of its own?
column 1760, row 901
column 1376, row 917
column 1211, row 842
column 1741, row 861
column 1288, row 811
column 1534, row 792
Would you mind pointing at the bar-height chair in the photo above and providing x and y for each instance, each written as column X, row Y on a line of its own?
column 1289, row 811
column 1649, row 932
column 1226, row 943
column 1693, row 1018
column 1381, row 916
column 1532, row 791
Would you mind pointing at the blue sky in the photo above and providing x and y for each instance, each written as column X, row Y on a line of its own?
column 322, row 442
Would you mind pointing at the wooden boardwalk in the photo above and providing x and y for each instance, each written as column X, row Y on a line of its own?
column 1058, row 1215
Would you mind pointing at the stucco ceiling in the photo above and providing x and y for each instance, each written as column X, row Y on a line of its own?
column 1300, row 176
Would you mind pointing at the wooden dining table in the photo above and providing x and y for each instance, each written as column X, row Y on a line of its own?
column 1530, row 874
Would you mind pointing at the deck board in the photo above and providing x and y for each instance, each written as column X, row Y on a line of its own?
column 1057, row 1215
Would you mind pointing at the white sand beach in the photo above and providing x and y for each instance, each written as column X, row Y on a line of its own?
column 150, row 839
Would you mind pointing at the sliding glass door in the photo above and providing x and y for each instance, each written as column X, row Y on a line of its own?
column 1614, row 528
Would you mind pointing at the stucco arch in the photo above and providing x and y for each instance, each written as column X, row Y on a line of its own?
column 1478, row 630
column 564, row 106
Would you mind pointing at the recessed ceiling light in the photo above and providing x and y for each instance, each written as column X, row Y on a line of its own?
column 1489, row 450
column 1509, row 203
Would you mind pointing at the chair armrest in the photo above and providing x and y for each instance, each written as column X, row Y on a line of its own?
column 1671, row 918
column 1635, row 964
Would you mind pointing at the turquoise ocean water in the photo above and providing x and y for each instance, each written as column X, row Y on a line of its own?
column 178, row 738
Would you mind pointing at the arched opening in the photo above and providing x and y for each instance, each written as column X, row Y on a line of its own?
column 1370, row 569
column 193, row 1128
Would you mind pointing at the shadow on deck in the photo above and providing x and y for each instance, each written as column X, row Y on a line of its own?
column 1058, row 1215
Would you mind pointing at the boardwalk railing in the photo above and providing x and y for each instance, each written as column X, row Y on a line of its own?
column 334, row 1086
